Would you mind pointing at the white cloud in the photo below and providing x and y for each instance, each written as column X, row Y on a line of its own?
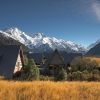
column 92, row 8
column 96, row 9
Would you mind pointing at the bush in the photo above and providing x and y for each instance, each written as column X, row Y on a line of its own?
column 96, row 72
column 25, row 59
column 81, row 64
column 30, row 71
column 77, row 76
column 62, row 75
column 46, row 78
column 69, row 77
column 2, row 77
column 17, row 75
column 94, row 77
column 86, row 76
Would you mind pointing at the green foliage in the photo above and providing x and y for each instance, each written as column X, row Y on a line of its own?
column 83, row 69
column 30, row 71
column 16, row 75
column 86, row 75
column 78, row 76
column 94, row 76
column 62, row 75
column 96, row 72
column 69, row 77
column 81, row 64
column 10, row 41
column 46, row 78
column 2, row 78
column 26, row 60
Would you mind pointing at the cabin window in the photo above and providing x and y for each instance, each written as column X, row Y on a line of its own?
column 50, row 67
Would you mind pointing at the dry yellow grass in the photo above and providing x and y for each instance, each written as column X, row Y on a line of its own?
column 94, row 58
column 46, row 90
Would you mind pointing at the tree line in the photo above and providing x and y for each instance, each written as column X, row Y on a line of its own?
column 80, row 69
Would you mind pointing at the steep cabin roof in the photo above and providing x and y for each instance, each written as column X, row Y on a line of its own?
column 68, row 57
column 56, row 58
column 8, row 58
column 36, row 56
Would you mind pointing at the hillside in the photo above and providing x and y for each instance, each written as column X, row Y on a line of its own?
column 93, row 44
column 97, row 59
column 10, row 41
column 95, row 51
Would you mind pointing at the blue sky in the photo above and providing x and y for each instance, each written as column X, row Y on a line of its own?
column 74, row 20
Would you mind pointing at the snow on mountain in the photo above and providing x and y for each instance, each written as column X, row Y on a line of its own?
column 93, row 44
column 38, row 42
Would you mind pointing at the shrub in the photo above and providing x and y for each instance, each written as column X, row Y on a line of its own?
column 2, row 77
column 17, row 75
column 94, row 77
column 62, row 75
column 86, row 75
column 69, row 77
column 81, row 64
column 46, row 78
column 25, row 59
column 96, row 72
column 77, row 76
column 30, row 71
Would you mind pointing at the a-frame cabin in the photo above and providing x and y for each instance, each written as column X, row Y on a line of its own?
column 11, row 60
column 55, row 64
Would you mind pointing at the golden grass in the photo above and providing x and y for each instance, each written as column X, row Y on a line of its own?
column 94, row 58
column 46, row 90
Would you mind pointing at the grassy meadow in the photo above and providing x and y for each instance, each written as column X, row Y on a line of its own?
column 46, row 90
column 97, row 59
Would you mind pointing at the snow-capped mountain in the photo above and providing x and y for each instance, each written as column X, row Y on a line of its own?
column 93, row 44
column 38, row 42
column 94, row 51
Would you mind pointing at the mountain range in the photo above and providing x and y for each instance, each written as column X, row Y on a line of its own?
column 38, row 42
column 93, row 44
column 7, row 40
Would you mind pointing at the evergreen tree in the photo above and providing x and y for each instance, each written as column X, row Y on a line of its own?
column 62, row 75
column 30, row 71
column 25, row 59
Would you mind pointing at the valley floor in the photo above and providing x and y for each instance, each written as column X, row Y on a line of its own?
column 97, row 59
column 46, row 90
